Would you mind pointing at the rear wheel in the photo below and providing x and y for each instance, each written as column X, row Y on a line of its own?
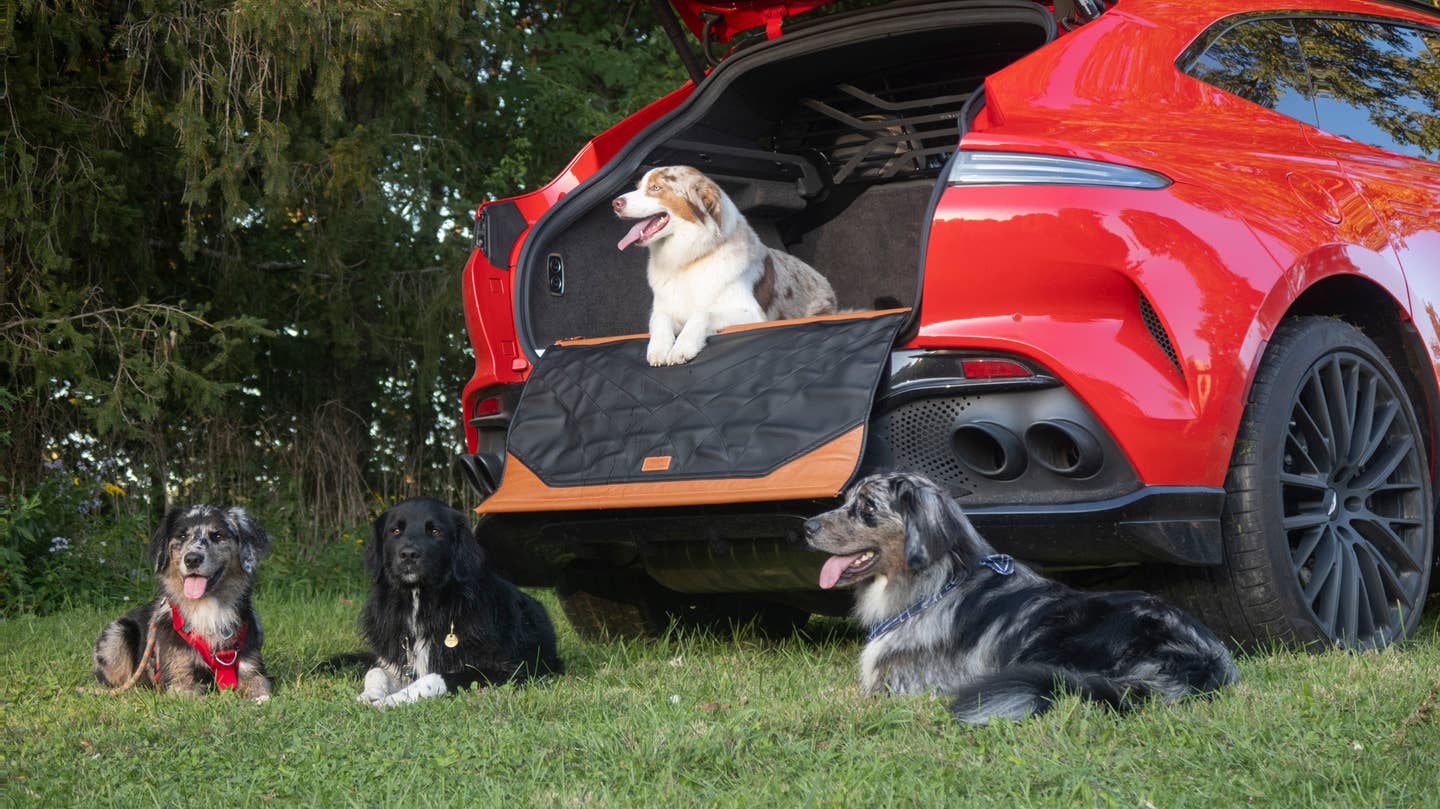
column 1327, row 524
column 606, row 605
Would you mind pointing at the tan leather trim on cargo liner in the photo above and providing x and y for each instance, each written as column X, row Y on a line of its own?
column 820, row 473
column 764, row 324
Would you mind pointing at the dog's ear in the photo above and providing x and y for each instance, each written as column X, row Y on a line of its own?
column 254, row 542
column 934, row 524
column 160, row 540
column 375, row 548
column 708, row 194
column 467, row 558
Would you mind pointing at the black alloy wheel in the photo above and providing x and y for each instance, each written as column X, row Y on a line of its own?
column 1328, row 520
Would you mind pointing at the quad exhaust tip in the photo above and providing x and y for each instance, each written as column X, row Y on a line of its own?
column 990, row 449
column 1064, row 447
column 1060, row 446
column 483, row 471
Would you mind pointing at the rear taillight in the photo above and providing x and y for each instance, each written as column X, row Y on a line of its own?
column 1020, row 168
column 486, row 407
column 977, row 368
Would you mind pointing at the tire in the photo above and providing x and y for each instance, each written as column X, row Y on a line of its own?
column 605, row 605
column 1321, row 548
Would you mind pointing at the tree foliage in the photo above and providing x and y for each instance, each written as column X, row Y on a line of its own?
column 233, row 231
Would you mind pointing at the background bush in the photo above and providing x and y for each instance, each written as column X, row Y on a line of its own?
column 233, row 244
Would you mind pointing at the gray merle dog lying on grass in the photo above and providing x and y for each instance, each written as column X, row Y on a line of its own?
column 438, row 619
column 948, row 614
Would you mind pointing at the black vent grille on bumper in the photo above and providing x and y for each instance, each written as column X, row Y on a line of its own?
column 1157, row 331
column 918, row 434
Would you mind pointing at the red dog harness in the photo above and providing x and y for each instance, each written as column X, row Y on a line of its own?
column 223, row 662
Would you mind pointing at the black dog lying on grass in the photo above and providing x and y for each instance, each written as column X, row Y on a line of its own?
column 437, row 618
column 205, row 632
column 946, row 613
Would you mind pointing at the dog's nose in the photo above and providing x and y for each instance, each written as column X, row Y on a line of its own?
column 194, row 560
column 618, row 204
column 409, row 554
column 812, row 527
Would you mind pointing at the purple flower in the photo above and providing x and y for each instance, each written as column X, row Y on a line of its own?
column 58, row 544
column 55, row 465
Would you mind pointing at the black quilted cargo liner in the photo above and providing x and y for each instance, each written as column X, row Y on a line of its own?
column 752, row 401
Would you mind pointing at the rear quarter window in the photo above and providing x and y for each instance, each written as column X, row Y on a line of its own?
column 1376, row 83
column 1260, row 61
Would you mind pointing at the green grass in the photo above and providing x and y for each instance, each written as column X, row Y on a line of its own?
column 696, row 721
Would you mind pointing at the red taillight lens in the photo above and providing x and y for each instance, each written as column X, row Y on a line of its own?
column 994, row 369
column 487, row 407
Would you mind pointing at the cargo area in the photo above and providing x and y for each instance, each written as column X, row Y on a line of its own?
column 829, row 139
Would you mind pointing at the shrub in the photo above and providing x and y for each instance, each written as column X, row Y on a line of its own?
column 68, row 541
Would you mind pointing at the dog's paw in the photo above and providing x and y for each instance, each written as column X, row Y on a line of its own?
column 431, row 685
column 657, row 353
column 682, row 352
column 262, row 699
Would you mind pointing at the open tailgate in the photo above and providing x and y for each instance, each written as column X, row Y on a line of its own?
column 767, row 411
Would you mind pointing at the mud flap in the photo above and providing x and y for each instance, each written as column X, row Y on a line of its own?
column 769, row 411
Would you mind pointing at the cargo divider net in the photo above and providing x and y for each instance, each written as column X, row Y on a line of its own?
column 767, row 411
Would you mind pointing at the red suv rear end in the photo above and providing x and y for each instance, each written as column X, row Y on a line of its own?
column 1168, row 273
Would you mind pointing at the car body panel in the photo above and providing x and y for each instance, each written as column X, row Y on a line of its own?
column 1262, row 209
column 1265, row 191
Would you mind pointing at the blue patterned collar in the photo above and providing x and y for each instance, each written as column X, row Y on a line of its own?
column 999, row 562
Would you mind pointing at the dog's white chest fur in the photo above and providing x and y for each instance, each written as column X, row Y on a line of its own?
column 722, row 280
column 210, row 619
column 389, row 684
column 419, row 655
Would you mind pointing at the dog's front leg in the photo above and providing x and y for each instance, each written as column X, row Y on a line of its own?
column 690, row 340
column 662, row 337
column 253, row 684
column 431, row 685
column 378, row 686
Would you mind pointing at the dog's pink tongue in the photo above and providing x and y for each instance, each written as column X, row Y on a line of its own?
column 195, row 586
column 834, row 567
column 634, row 235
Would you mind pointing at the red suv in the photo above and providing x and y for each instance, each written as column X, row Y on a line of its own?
column 1167, row 275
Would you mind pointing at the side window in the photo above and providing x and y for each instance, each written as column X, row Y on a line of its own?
column 1376, row 83
column 1259, row 60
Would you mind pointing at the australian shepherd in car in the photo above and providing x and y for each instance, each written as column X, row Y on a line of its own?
column 437, row 618
column 206, row 635
column 708, row 268
column 948, row 614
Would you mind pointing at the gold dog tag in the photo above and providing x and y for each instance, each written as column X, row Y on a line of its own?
column 452, row 640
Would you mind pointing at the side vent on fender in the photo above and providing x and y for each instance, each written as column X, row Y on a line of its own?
column 1157, row 331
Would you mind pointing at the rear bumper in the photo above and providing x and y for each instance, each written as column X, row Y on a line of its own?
column 757, row 547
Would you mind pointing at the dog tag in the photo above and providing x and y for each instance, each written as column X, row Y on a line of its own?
column 452, row 640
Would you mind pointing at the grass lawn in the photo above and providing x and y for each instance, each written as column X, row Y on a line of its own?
column 696, row 721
